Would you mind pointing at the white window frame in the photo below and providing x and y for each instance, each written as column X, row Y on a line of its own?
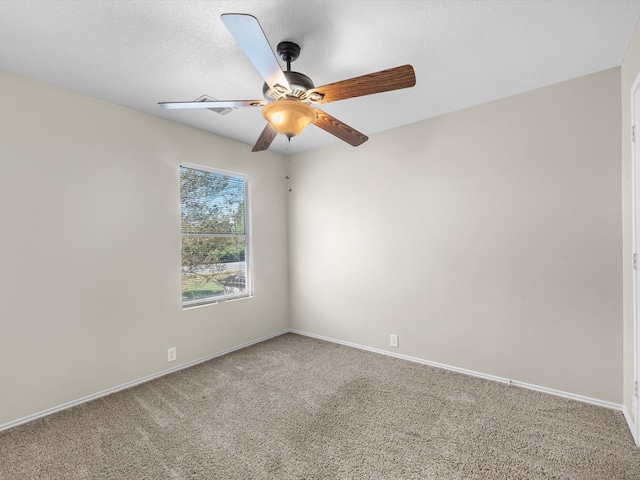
column 248, row 293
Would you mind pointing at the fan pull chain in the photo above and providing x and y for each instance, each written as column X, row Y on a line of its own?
column 288, row 163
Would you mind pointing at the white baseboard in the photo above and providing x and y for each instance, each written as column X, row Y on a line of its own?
column 552, row 391
column 133, row 383
column 465, row 371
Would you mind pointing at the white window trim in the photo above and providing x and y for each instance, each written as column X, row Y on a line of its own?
column 248, row 254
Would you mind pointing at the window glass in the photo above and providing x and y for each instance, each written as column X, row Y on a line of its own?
column 214, row 236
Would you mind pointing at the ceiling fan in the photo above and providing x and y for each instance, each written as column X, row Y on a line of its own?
column 290, row 97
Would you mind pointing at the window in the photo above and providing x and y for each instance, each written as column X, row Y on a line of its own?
column 214, row 236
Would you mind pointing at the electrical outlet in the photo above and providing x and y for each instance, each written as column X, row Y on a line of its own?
column 393, row 340
column 171, row 354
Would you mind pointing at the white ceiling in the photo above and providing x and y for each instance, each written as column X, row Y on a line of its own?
column 137, row 53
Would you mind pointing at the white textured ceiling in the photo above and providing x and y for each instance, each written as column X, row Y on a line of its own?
column 138, row 53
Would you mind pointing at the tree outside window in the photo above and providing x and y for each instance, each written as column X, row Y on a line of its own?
column 214, row 236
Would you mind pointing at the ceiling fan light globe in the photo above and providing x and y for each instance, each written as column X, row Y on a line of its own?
column 289, row 117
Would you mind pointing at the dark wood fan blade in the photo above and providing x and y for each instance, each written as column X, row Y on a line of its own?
column 265, row 138
column 249, row 34
column 378, row 82
column 339, row 129
column 216, row 104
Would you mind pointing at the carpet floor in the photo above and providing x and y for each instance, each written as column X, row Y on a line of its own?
column 294, row 407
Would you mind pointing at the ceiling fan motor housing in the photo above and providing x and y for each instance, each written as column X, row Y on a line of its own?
column 298, row 82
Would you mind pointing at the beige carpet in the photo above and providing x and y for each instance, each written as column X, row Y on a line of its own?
column 299, row 408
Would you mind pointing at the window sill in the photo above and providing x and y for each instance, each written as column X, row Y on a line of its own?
column 205, row 303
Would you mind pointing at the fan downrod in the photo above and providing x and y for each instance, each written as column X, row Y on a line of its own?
column 289, row 52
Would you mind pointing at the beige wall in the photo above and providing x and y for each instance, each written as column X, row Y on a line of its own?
column 629, row 71
column 487, row 239
column 90, row 247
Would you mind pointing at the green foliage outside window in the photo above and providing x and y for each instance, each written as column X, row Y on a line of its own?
column 214, row 242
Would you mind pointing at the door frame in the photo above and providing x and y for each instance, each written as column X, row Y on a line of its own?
column 635, row 209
